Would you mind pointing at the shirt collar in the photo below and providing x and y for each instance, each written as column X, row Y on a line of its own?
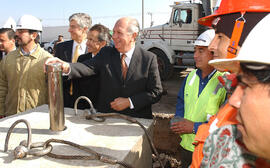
column 129, row 53
column 24, row 53
column 82, row 44
column 82, row 48
column 209, row 76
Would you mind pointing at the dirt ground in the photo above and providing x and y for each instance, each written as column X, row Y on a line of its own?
column 164, row 139
column 168, row 102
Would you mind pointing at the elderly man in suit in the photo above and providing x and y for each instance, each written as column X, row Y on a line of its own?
column 69, row 51
column 129, row 76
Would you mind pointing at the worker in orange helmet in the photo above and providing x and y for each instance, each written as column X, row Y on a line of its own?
column 233, row 20
column 247, row 143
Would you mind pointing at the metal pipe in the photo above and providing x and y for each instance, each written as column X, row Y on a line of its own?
column 55, row 93
column 142, row 15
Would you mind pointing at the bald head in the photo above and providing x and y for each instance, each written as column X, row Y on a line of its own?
column 132, row 24
column 125, row 33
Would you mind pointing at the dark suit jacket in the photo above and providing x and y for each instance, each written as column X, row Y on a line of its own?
column 87, row 86
column 1, row 55
column 142, row 83
column 64, row 52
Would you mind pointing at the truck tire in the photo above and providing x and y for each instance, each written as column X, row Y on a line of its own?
column 164, row 66
column 50, row 50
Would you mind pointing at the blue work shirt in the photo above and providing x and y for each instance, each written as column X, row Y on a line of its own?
column 180, row 106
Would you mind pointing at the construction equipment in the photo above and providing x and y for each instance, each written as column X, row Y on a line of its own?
column 173, row 42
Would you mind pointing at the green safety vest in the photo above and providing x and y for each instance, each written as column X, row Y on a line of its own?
column 198, row 109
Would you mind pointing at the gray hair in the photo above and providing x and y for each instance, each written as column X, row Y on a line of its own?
column 104, row 33
column 134, row 27
column 83, row 19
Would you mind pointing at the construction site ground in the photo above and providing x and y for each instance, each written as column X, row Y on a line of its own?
column 164, row 139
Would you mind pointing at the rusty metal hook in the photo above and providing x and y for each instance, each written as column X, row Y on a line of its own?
column 91, row 111
column 29, row 138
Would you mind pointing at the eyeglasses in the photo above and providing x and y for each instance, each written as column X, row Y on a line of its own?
column 93, row 41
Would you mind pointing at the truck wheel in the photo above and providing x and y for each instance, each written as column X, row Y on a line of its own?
column 164, row 66
column 50, row 50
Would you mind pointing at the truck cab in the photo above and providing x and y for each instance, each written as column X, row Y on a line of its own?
column 173, row 42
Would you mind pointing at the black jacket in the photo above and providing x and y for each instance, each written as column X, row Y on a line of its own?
column 142, row 83
column 64, row 52
column 86, row 86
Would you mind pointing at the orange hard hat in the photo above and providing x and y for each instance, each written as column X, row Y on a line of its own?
column 233, row 6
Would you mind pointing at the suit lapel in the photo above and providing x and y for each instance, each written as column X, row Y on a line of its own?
column 68, row 51
column 116, row 63
column 133, row 63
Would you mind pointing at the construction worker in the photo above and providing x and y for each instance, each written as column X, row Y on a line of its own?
column 7, row 37
column 22, row 79
column 247, row 143
column 232, row 21
column 59, row 40
column 198, row 98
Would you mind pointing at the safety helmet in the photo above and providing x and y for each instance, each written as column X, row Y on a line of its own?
column 29, row 22
column 205, row 38
column 224, row 7
column 10, row 23
column 255, row 48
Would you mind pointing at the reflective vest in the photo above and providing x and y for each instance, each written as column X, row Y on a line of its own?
column 198, row 109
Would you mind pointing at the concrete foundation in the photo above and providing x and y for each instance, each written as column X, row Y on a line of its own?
column 114, row 137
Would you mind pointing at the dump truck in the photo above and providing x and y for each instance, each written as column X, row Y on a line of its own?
column 173, row 42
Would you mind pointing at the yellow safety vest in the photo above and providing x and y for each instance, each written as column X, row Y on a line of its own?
column 197, row 108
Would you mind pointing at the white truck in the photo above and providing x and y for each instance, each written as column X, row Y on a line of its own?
column 173, row 42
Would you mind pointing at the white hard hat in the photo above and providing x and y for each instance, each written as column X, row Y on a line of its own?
column 10, row 23
column 29, row 22
column 205, row 38
column 255, row 48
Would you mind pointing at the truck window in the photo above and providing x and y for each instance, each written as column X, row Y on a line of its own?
column 184, row 15
column 176, row 16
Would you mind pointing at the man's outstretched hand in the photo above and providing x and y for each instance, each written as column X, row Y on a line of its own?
column 65, row 65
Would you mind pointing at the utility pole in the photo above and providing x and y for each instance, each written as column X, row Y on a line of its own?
column 142, row 15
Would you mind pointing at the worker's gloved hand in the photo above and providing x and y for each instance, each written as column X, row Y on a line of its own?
column 229, row 82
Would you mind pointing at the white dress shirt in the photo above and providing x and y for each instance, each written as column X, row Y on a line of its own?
column 82, row 47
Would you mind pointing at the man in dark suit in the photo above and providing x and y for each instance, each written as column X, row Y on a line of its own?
column 97, row 37
column 129, row 91
column 79, row 24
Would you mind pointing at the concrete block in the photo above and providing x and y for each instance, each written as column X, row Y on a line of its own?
column 115, row 137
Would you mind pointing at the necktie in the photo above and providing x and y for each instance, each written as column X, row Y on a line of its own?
column 74, row 59
column 124, row 66
column 76, row 54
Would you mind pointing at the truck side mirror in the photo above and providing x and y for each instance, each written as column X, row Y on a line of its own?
column 180, row 22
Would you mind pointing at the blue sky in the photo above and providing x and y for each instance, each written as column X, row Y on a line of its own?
column 56, row 12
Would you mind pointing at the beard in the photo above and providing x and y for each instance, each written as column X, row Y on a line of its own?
column 23, row 43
